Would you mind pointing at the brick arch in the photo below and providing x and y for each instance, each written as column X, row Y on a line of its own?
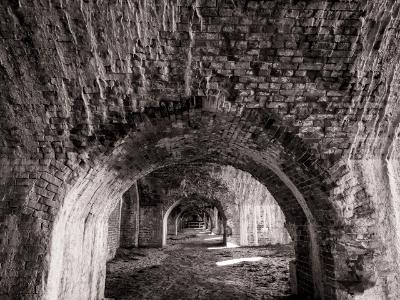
column 337, row 61
column 212, row 200
column 196, row 210
column 308, row 244
column 165, row 221
column 249, row 139
column 37, row 191
column 182, row 200
column 200, row 180
column 244, row 138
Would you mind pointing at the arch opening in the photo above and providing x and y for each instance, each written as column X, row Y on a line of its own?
column 165, row 221
column 160, row 147
column 199, row 209
column 189, row 180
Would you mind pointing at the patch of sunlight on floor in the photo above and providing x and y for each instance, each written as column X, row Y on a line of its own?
column 214, row 238
column 228, row 245
column 237, row 260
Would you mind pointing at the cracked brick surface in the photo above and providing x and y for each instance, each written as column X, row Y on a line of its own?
column 94, row 95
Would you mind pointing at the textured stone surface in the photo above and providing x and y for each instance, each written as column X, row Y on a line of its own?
column 300, row 94
column 261, row 219
column 114, row 231
column 130, row 218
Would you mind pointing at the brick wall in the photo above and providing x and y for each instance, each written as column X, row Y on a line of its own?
column 259, row 219
column 150, row 233
column 114, row 231
column 130, row 218
column 328, row 68
column 150, row 213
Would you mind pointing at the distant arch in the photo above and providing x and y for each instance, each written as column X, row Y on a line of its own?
column 165, row 221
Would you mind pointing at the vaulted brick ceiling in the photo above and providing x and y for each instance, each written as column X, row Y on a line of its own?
column 96, row 94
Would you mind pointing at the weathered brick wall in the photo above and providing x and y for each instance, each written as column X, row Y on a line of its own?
column 294, row 58
column 114, row 231
column 150, row 233
column 75, row 76
column 130, row 218
column 151, row 213
column 261, row 219
column 48, row 50
column 268, row 226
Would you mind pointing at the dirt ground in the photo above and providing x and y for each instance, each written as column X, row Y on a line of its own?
column 187, row 269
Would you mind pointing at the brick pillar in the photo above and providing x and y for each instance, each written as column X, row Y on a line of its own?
column 215, row 222
column 113, row 238
column 221, row 229
column 130, row 218
column 233, row 225
column 176, row 225
column 151, row 230
column 293, row 277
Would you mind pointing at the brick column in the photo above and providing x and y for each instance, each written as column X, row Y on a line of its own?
column 113, row 238
column 130, row 218
column 216, row 221
column 151, row 230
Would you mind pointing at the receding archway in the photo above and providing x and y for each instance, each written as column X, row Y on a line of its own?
column 186, row 207
column 200, row 136
column 188, row 182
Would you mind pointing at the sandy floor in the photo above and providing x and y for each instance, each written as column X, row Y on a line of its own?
column 187, row 269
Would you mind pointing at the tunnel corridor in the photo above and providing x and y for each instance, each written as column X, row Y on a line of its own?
column 264, row 123
column 198, row 266
column 199, row 231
